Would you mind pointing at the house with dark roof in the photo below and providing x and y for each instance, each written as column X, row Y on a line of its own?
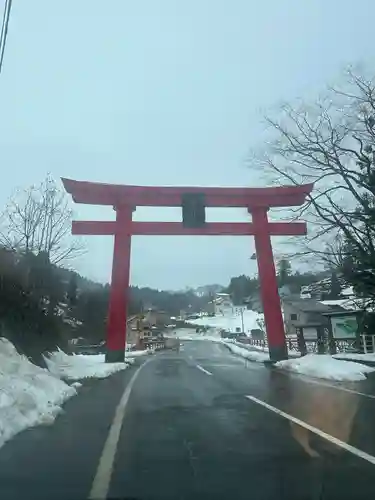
column 307, row 313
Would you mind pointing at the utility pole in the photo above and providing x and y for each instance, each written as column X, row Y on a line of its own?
column 240, row 309
column 242, row 323
column 4, row 30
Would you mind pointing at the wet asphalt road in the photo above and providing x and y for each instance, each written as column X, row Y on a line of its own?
column 190, row 432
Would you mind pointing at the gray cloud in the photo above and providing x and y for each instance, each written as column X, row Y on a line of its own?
column 162, row 93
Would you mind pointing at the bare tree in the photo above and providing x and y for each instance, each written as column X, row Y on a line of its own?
column 38, row 220
column 332, row 145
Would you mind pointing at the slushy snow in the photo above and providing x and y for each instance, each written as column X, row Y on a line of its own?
column 100, row 358
column 31, row 395
column 257, row 356
column 77, row 367
column 312, row 365
column 324, row 366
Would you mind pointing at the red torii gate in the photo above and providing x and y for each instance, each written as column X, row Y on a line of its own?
column 125, row 199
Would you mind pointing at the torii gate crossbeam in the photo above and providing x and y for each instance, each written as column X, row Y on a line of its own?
column 125, row 199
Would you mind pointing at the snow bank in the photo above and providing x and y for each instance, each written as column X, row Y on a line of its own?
column 313, row 365
column 324, row 366
column 29, row 395
column 76, row 367
column 210, row 338
column 129, row 356
column 257, row 356
column 136, row 354
column 190, row 334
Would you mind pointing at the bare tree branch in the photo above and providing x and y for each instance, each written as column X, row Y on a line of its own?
column 39, row 220
column 333, row 145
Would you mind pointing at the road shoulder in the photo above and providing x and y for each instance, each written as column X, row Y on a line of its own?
column 60, row 460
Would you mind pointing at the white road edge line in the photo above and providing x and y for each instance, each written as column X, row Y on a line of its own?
column 203, row 370
column 318, row 432
column 310, row 380
column 102, row 479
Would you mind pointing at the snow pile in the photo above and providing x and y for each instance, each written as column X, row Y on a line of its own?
column 129, row 356
column 257, row 356
column 210, row 338
column 76, row 367
column 80, row 366
column 136, row 354
column 190, row 334
column 324, row 366
column 29, row 395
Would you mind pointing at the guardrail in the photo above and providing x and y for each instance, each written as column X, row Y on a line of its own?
column 155, row 345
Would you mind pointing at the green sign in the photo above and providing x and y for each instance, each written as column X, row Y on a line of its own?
column 345, row 327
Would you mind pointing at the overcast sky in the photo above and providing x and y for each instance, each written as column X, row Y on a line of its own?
column 163, row 92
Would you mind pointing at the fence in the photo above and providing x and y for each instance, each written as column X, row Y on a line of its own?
column 312, row 345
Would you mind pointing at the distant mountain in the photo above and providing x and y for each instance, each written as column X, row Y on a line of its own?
column 83, row 284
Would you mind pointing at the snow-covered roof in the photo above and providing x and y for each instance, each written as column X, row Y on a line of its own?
column 350, row 304
column 307, row 305
column 324, row 285
column 347, row 291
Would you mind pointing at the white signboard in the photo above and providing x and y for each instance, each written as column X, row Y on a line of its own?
column 344, row 327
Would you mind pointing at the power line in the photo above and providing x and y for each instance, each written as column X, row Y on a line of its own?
column 4, row 30
column 3, row 23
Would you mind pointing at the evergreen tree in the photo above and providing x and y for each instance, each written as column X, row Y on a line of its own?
column 241, row 287
column 72, row 291
column 335, row 289
column 284, row 270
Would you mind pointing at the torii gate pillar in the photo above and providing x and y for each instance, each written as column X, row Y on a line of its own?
column 273, row 317
column 125, row 198
column 119, row 292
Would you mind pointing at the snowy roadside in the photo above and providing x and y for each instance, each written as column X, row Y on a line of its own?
column 322, row 366
column 232, row 345
column 340, row 367
column 256, row 356
column 312, row 365
column 31, row 395
column 77, row 367
column 128, row 358
column 326, row 367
